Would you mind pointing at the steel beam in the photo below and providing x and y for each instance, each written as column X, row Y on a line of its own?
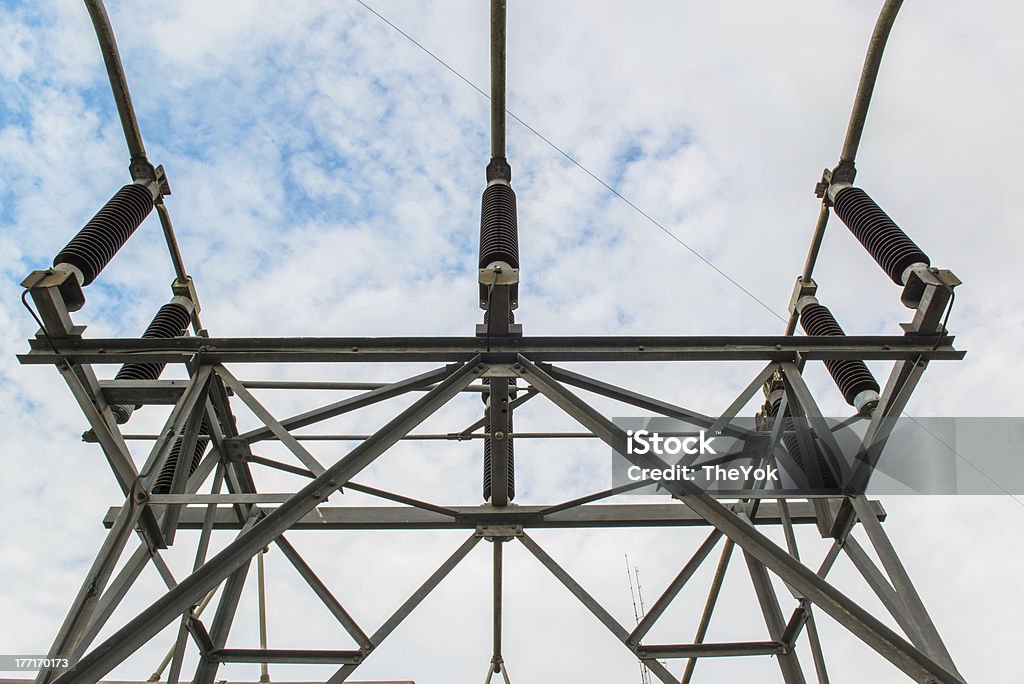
column 421, row 593
column 789, row 663
column 709, row 605
column 346, row 405
column 860, row 622
column 716, row 650
column 471, row 517
column 324, row 594
column 673, row 589
column 603, row 616
column 68, row 642
column 139, row 630
column 462, row 349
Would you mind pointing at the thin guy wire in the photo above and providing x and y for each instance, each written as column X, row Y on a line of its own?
column 583, row 168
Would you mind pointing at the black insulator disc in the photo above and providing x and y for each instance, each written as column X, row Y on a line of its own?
column 170, row 321
column 851, row 375
column 499, row 232
column 792, row 442
column 885, row 241
column 166, row 478
column 97, row 243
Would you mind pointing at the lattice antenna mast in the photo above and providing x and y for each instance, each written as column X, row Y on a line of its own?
column 638, row 612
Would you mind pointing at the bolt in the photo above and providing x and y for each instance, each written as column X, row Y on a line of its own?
column 499, row 435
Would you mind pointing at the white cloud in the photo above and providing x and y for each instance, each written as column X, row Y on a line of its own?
column 326, row 178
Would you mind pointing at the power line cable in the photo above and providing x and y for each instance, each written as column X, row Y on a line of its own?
column 574, row 161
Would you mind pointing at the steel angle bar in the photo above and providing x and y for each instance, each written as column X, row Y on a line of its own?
column 271, row 423
column 111, row 598
column 324, row 594
column 462, row 349
column 193, row 399
column 285, row 655
column 883, row 590
column 515, row 403
column 590, row 498
column 673, row 514
column 140, row 629
column 497, row 567
column 709, row 605
column 176, row 656
column 639, row 400
column 902, row 584
column 341, row 385
column 898, row 389
column 206, row 670
column 102, row 423
column 603, row 616
column 281, row 497
column 860, row 622
column 715, row 650
column 574, row 587
column 809, row 409
column 424, row 590
column 346, row 405
column 894, row 398
column 343, row 672
column 398, row 498
column 180, row 479
column 789, row 663
column 743, row 398
column 73, row 630
column 817, row 655
column 673, row 589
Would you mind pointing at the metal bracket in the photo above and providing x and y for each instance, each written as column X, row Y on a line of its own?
column 802, row 288
column 56, row 292
column 499, row 532
column 187, row 288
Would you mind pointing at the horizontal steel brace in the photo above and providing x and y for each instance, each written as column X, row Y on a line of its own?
column 451, row 349
column 285, row 655
column 719, row 650
column 134, row 392
column 470, row 517
column 219, row 681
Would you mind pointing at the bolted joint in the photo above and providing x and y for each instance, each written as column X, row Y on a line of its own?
column 834, row 180
column 187, row 289
column 499, row 532
column 499, row 170
column 821, row 187
column 802, row 289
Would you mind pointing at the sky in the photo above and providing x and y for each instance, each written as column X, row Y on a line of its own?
column 326, row 175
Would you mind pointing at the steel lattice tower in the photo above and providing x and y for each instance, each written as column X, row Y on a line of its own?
column 201, row 449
